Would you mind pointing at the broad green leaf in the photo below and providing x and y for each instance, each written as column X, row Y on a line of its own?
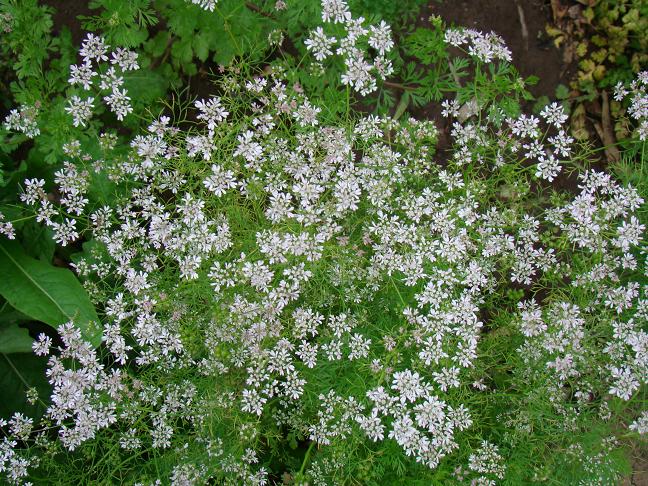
column 46, row 293
column 14, row 339
column 158, row 44
column 18, row 373
column 10, row 315
column 37, row 241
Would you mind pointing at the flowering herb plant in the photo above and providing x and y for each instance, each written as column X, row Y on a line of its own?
column 267, row 290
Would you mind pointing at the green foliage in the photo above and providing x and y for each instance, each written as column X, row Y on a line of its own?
column 619, row 47
column 394, row 13
column 46, row 293
column 146, row 86
column 14, row 339
column 122, row 23
column 26, row 35
column 560, row 440
column 20, row 372
column 434, row 73
column 233, row 29
column 608, row 40
column 37, row 241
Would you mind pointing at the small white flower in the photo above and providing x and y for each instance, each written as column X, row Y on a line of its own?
column 82, row 75
column 641, row 424
column 125, row 59
column 555, row 114
column 335, row 11
column 81, row 110
column 380, row 38
column 320, row 44
column 211, row 111
column 209, row 5
column 94, row 47
column 41, row 345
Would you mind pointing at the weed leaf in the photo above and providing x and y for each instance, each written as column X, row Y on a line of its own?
column 14, row 339
column 44, row 292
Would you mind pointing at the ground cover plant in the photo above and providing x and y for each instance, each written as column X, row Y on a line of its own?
column 284, row 279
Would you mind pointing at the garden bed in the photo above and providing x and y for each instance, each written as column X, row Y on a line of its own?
column 322, row 242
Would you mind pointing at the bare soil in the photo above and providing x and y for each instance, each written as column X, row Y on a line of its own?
column 533, row 51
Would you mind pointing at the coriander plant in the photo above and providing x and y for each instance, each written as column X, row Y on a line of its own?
column 271, row 285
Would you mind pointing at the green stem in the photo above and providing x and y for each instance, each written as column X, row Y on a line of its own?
column 227, row 27
column 401, row 86
column 398, row 291
column 306, row 457
column 23, row 219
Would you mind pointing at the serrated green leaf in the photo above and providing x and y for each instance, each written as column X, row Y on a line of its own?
column 225, row 53
column 201, row 46
column 145, row 86
column 14, row 339
column 531, row 80
column 182, row 51
column 184, row 22
column 46, row 293
column 158, row 44
column 562, row 92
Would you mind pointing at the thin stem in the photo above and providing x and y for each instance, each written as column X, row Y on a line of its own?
column 23, row 219
column 398, row 291
column 306, row 457
column 255, row 8
column 227, row 27
column 389, row 84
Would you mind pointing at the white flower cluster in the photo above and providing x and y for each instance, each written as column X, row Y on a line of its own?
column 640, row 425
column 110, row 72
column 246, row 256
column 487, row 460
column 315, row 181
column 360, row 73
column 421, row 423
column 594, row 214
column 23, row 120
column 209, row 5
column 637, row 92
column 212, row 113
column 599, row 220
column 525, row 140
column 485, row 47
column 12, row 464
column 7, row 228
column 74, row 185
